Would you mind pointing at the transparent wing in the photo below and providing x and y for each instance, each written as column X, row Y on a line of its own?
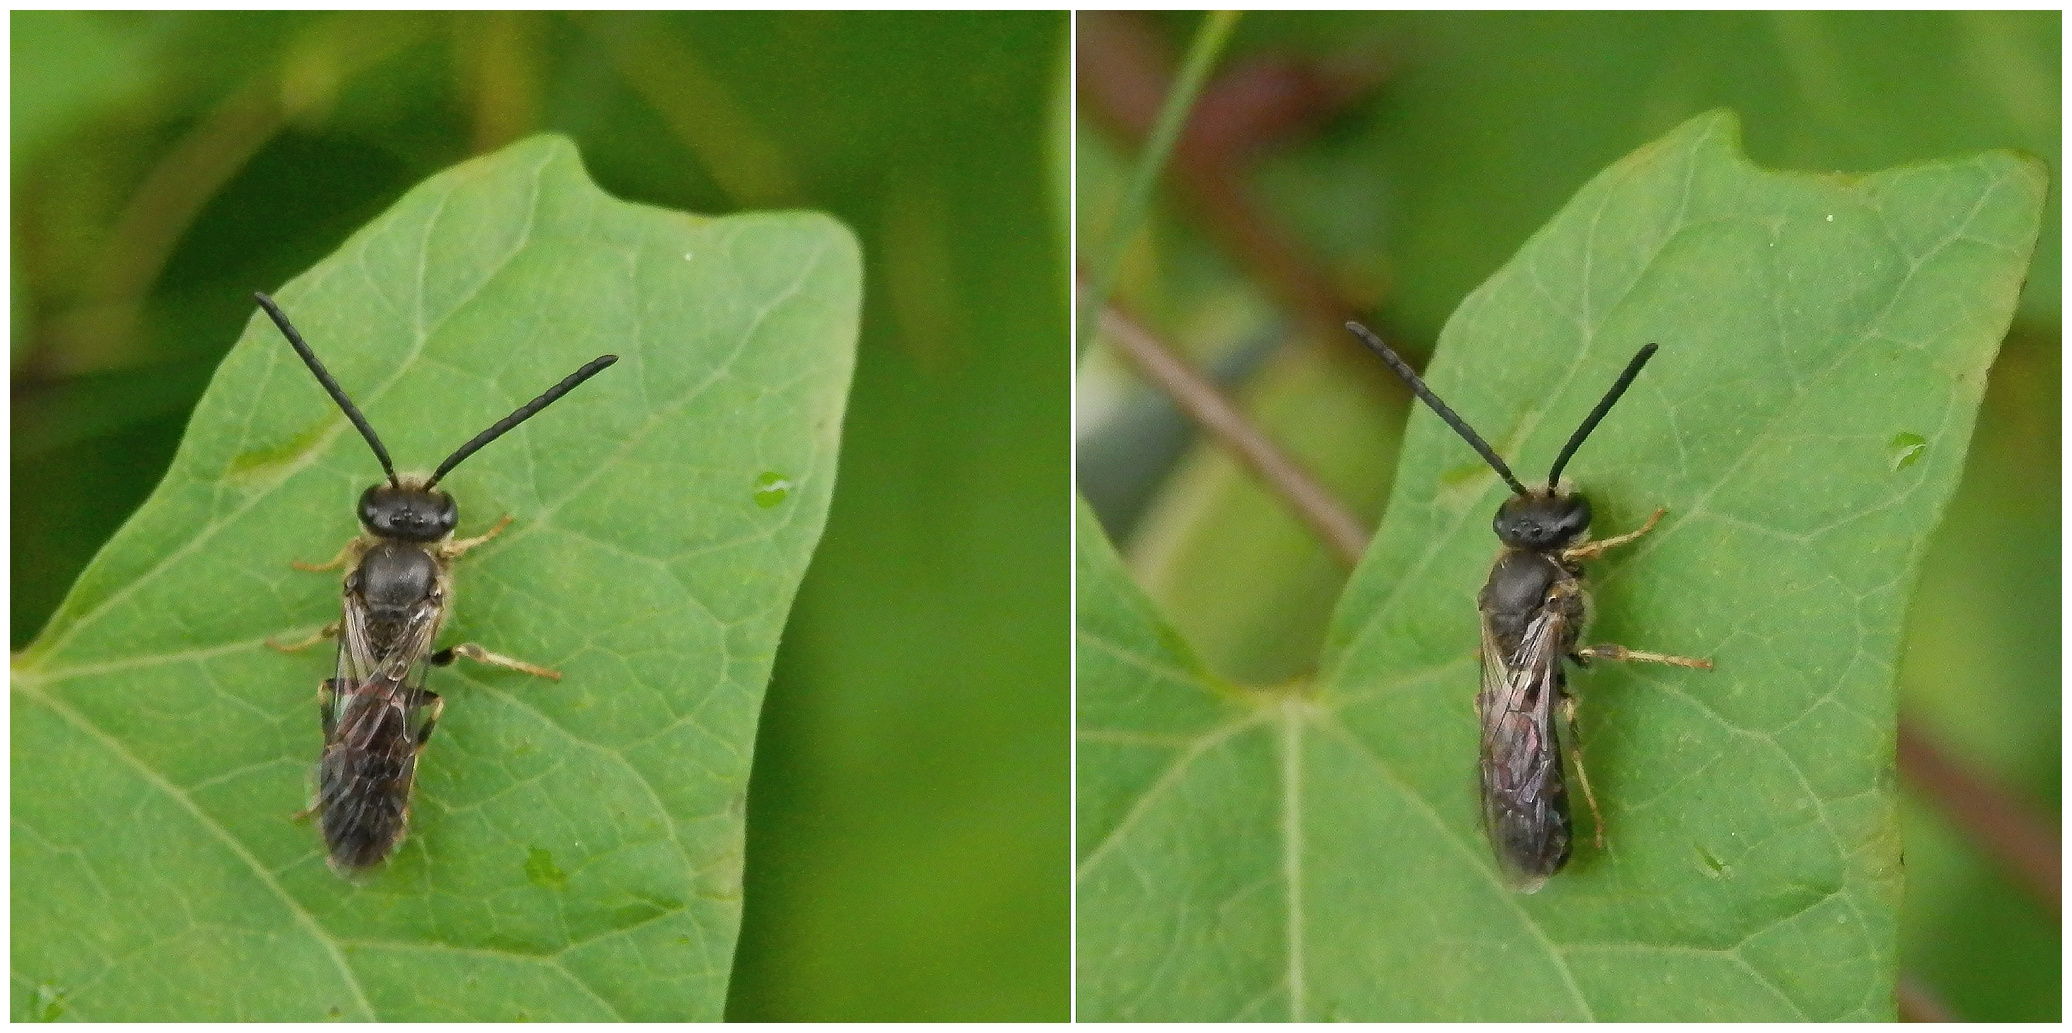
column 357, row 655
column 372, row 681
column 1524, row 796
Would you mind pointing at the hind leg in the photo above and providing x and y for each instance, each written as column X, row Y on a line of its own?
column 1611, row 652
column 327, row 694
column 483, row 656
column 424, row 732
column 1575, row 749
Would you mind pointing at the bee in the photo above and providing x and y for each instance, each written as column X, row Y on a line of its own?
column 376, row 712
column 1534, row 611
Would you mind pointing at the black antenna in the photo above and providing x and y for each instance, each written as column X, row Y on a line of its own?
column 309, row 358
column 1459, row 425
column 521, row 414
column 1575, row 441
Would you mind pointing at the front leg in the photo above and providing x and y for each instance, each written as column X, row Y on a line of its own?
column 327, row 631
column 1592, row 550
column 351, row 548
column 457, row 546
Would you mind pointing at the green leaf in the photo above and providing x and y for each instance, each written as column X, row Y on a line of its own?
column 1248, row 584
column 575, row 849
column 1315, row 853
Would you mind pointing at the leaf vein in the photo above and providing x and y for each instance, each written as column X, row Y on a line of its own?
column 159, row 782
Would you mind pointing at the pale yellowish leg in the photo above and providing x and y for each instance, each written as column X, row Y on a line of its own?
column 1592, row 550
column 424, row 733
column 324, row 699
column 483, row 656
column 328, row 631
column 1611, row 652
column 460, row 545
column 1575, row 749
column 335, row 562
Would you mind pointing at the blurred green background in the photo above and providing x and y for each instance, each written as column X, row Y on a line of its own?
column 908, row 818
column 1403, row 157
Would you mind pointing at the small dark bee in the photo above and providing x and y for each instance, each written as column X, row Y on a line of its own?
column 1533, row 613
column 376, row 711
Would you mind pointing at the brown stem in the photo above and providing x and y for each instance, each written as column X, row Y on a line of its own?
column 1917, row 1003
column 1124, row 71
column 2007, row 830
column 1341, row 531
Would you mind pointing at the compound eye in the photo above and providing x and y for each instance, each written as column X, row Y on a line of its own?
column 1576, row 519
column 370, row 512
column 449, row 514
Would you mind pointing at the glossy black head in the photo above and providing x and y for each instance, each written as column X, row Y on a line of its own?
column 1543, row 521
column 408, row 512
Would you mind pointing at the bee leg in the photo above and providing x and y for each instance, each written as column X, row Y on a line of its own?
column 484, row 656
column 1592, row 550
column 424, row 733
column 1575, row 749
column 328, row 631
column 335, row 562
column 1611, row 652
column 460, row 545
column 327, row 694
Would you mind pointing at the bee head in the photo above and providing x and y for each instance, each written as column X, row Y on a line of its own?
column 409, row 511
column 1543, row 519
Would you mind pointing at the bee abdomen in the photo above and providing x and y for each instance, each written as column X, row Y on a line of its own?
column 1530, row 834
column 1525, row 805
column 365, row 803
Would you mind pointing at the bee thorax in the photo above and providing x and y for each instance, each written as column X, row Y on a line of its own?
column 1517, row 592
column 393, row 577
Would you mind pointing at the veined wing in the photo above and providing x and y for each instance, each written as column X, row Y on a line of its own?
column 376, row 688
column 370, row 754
column 1524, row 795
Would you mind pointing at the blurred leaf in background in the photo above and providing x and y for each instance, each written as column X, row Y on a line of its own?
column 1400, row 158
column 907, row 844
